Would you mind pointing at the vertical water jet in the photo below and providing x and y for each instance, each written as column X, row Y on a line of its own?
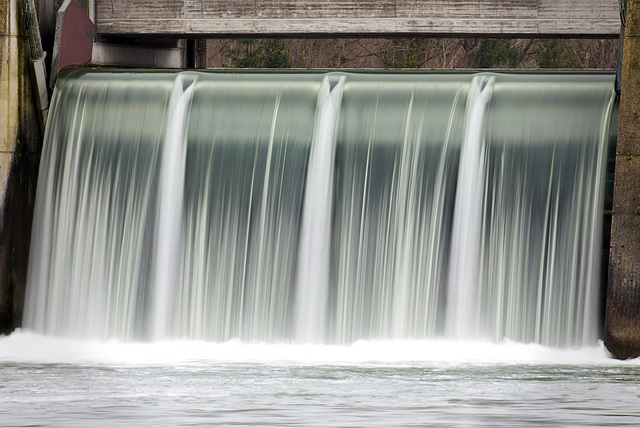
column 168, row 229
column 463, row 292
column 312, row 283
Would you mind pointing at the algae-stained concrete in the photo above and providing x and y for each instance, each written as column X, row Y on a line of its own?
column 20, row 142
column 622, row 317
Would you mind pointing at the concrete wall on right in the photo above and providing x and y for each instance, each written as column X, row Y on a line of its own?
column 622, row 316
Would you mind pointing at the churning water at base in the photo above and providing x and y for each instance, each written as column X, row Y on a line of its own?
column 321, row 208
column 58, row 382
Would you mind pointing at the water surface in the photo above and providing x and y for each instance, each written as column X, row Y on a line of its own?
column 55, row 382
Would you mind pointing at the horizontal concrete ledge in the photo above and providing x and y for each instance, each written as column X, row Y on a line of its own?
column 212, row 28
column 215, row 18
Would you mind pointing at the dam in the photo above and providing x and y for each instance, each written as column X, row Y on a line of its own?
column 326, row 248
column 319, row 249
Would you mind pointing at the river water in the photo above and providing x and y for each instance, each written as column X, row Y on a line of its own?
column 60, row 382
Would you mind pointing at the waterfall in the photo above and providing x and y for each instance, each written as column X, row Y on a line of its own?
column 462, row 309
column 169, row 211
column 315, row 237
column 321, row 208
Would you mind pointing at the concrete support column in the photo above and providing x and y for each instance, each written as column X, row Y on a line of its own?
column 622, row 317
column 196, row 53
column 20, row 141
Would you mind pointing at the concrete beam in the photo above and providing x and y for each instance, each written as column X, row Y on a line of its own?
column 306, row 18
column 622, row 317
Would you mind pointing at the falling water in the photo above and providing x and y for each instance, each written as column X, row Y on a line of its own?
column 462, row 312
column 321, row 208
column 315, row 237
column 248, row 149
column 169, row 222
column 398, row 146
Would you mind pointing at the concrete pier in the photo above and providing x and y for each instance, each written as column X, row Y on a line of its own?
column 622, row 318
column 19, row 155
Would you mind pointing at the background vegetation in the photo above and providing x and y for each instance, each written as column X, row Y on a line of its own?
column 430, row 53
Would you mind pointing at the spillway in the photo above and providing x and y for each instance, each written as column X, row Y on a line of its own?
column 321, row 208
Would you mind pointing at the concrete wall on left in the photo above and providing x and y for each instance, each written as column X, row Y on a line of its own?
column 20, row 143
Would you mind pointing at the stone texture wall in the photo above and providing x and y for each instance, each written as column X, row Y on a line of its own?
column 20, row 142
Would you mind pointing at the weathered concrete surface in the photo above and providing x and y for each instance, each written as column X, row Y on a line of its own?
column 215, row 18
column 622, row 317
column 19, row 145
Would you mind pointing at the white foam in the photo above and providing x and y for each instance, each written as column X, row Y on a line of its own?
column 27, row 347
